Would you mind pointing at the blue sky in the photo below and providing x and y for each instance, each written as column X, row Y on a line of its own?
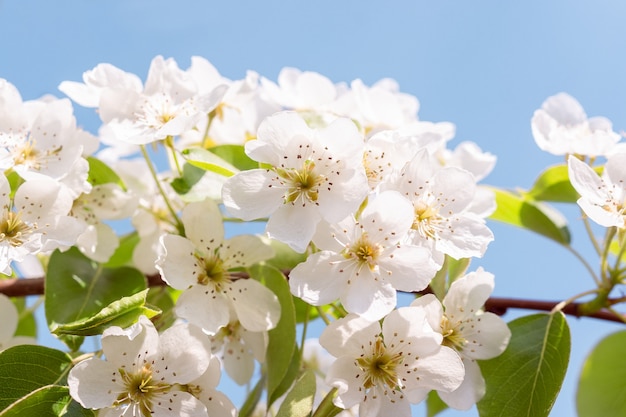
column 484, row 65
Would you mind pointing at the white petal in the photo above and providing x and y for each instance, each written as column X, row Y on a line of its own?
column 441, row 371
column 178, row 264
column 177, row 403
column 238, row 362
column 469, row 392
column 275, row 136
column 468, row 294
column 294, row 225
column 95, row 383
column 344, row 375
column 256, row 306
column 408, row 268
column 406, row 329
column 347, row 336
column 251, row 194
column 184, row 354
column 203, row 225
column 369, row 297
column 318, row 280
column 128, row 348
column 204, row 307
column 387, row 218
column 244, row 251
column 217, row 404
column 487, row 336
column 432, row 309
column 586, row 181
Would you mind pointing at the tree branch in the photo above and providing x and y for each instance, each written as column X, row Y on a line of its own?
column 499, row 305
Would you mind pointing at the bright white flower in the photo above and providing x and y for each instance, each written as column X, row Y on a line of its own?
column 147, row 375
column 602, row 198
column 466, row 328
column 379, row 107
column 200, row 265
column 104, row 202
column 238, row 348
column 302, row 91
column 561, row 127
column 385, row 368
column 470, row 157
column 35, row 221
column 441, row 198
column 39, row 139
column 8, row 325
column 362, row 262
column 237, row 116
column 314, row 174
column 167, row 105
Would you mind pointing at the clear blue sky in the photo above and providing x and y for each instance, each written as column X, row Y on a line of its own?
column 483, row 65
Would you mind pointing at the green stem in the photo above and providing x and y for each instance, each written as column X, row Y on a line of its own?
column 604, row 259
column 305, row 325
column 594, row 242
column 322, row 315
column 179, row 224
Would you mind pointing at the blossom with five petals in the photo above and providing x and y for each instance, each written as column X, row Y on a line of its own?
column 200, row 265
column 313, row 174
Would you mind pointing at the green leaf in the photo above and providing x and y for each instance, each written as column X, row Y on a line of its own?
column 208, row 161
column 78, row 288
column 253, row 399
column 25, row 368
column 47, row 401
column 601, row 384
column 299, row 401
column 525, row 380
column 191, row 175
column 456, row 268
column 434, row 404
column 326, row 407
column 235, row 155
column 282, row 339
column 76, row 410
column 100, row 173
column 123, row 313
column 26, row 325
column 554, row 185
column 535, row 216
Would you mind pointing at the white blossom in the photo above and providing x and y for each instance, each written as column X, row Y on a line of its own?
column 384, row 368
column 466, row 328
column 313, row 174
column 200, row 264
column 363, row 263
column 561, row 127
column 602, row 198
column 145, row 374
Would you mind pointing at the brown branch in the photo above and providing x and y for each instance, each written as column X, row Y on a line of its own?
column 499, row 305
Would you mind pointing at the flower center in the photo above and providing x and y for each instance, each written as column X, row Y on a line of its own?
column 425, row 221
column 13, row 229
column 140, row 389
column 380, row 367
column 364, row 251
column 301, row 183
column 452, row 336
column 213, row 272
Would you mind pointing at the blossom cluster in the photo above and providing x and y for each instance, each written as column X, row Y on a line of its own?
column 346, row 175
